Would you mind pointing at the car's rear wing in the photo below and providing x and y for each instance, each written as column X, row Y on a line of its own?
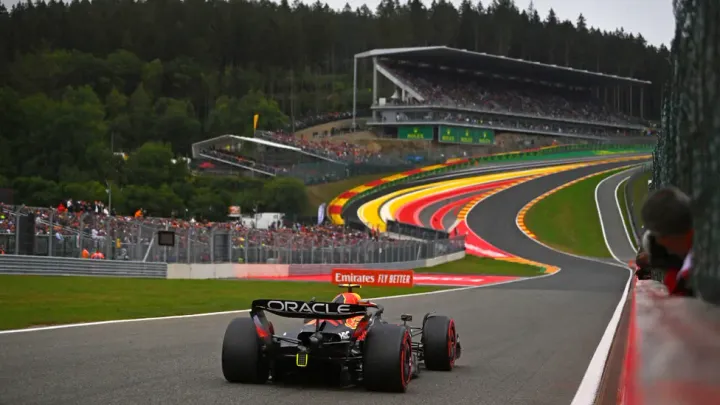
column 310, row 309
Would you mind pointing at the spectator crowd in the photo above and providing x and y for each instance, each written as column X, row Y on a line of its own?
column 318, row 119
column 341, row 151
column 92, row 224
column 446, row 88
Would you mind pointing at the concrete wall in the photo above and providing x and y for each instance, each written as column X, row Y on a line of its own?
column 227, row 270
column 240, row 271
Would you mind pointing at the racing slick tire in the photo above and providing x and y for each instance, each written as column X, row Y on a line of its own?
column 242, row 360
column 440, row 343
column 387, row 358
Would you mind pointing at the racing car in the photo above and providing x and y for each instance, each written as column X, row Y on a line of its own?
column 346, row 338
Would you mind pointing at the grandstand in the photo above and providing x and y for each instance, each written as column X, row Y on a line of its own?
column 316, row 160
column 454, row 96
column 261, row 156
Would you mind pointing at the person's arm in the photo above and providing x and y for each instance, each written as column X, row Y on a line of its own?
column 682, row 285
column 642, row 259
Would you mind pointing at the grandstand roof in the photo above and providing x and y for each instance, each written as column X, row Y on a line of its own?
column 464, row 59
column 227, row 138
column 267, row 143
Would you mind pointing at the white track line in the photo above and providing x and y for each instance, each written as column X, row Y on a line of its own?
column 587, row 390
column 239, row 311
column 600, row 215
column 617, row 201
column 590, row 384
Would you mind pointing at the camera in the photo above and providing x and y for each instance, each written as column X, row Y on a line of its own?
column 660, row 258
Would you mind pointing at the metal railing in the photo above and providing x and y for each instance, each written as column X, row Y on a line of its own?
column 129, row 239
column 62, row 266
column 415, row 231
column 216, row 249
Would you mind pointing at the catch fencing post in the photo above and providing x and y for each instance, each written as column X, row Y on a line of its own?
column 109, row 239
column 138, row 248
column 165, row 248
column 188, row 235
column 50, row 234
column 212, row 245
column 230, row 244
column 247, row 246
column 17, row 231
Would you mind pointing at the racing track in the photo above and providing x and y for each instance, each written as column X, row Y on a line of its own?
column 524, row 343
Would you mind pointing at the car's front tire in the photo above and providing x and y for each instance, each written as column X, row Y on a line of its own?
column 440, row 343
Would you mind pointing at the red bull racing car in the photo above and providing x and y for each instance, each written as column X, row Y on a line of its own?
column 346, row 339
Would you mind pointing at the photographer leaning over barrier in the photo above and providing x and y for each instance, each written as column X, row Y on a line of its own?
column 667, row 242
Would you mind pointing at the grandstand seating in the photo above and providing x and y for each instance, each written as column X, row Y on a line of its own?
column 497, row 95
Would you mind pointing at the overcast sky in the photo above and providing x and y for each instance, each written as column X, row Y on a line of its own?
column 652, row 18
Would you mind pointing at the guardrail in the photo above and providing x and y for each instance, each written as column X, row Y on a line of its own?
column 415, row 231
column 336, row 206
column 279, row 271
column 629, row 203
column 227, row 246
column 407, row 256
column 62, row 266
column 673, row 349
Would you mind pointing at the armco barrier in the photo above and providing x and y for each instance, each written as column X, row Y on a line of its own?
column 61, row 266
column 243, row 271
column 414, row 231
column 336, row 206
column 227, row 270
column 673, row 353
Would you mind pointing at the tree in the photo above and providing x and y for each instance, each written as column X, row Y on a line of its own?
column 235, row 116
column 285, row 195
column 153, row 165
column 80, row 80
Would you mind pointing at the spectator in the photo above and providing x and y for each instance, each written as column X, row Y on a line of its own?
column 444, row 87
column 668, row 218
column 125, row 232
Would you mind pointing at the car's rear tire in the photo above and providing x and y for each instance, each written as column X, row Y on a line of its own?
column 439, row 342
column 242, row 360
column 387, row 358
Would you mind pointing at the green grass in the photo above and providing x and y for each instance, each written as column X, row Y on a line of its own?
column 623, row 210
column 638, row 194
column 51, row 300
column 568, row 219
column 485, row 266
column 324, row 193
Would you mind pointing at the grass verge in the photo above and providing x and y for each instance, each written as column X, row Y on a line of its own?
column 568, row 219
column 51, row 300
column 624, row 211
column 323, row 193
column 485, row 266
column 638, row 194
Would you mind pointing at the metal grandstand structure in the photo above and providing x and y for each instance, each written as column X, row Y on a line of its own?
column 225, row 149
column 620, row 92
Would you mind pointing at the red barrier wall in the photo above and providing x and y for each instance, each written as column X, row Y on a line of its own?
column 673, row 351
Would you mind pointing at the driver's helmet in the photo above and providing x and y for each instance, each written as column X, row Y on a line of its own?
column 347, row 298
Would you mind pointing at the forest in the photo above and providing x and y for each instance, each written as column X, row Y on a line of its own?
column 81, row 81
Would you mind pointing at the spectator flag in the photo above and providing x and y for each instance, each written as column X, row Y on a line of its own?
column 256, row 117
column 321, row 213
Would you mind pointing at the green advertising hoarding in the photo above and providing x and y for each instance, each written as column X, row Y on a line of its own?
column 419, row 133
column 468, row 136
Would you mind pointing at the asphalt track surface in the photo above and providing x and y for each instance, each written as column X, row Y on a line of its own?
column 449, row 219
column 523, row 343
column 618, row 235
column 490, row 168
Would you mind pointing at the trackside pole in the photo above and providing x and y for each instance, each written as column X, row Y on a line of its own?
column 354, row 112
